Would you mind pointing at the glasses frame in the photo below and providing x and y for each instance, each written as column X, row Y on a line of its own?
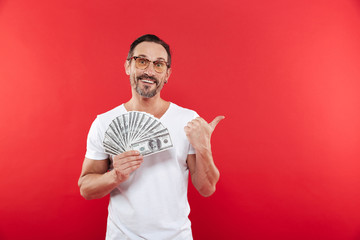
column 148, row 63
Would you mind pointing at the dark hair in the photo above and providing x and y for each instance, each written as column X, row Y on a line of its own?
column 150, row 38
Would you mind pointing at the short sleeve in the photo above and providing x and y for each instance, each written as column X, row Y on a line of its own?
column 94, row 146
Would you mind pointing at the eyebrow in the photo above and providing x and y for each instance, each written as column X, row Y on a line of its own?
column 159, row 58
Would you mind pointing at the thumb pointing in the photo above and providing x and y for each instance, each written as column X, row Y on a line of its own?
column 216, row 121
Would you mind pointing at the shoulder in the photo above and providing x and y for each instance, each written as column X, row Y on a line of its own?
column 105, row 118
column 114, row 111
column 182, row 111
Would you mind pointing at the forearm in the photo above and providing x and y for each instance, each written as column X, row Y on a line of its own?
column 95, row 185
column 206, row 174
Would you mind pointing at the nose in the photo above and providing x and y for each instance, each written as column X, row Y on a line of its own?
column 150, row 69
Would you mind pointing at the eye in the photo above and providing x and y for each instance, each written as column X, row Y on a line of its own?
column 142, row 61
column 159, row 64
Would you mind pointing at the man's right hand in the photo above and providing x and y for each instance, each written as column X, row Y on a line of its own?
column 126, row 163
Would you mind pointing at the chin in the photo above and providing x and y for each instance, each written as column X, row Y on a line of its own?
column 146, row 94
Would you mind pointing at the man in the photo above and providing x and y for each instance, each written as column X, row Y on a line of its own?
column 148, row 195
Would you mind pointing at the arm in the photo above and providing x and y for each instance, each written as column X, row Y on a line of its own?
column 96, row 181
column 204, row 174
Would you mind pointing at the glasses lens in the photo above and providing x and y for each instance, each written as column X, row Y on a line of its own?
column 142, row 63
column 159, row 66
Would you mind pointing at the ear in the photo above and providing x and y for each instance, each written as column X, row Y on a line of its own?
column 127, row 67
column 168, row 73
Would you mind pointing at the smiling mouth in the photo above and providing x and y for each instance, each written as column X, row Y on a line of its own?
column 147, row 81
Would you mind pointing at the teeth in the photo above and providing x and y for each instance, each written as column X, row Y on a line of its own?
column 147, row 81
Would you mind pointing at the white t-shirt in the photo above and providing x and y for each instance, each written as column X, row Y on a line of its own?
column 152, row 203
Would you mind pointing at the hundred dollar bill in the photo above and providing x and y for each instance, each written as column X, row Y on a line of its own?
column 110, row 150
column 153, row 133
column 132, row 122
column 124, row 122
column 111, row 137
column 142, row 120
column 153, row 145
column 114, row 133
column 110, row 142
column 137, row 116
column 120, row 129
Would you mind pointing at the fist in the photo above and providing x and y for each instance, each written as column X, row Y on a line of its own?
column 198, row 131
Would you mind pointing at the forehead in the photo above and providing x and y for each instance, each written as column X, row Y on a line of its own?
column 151, row 50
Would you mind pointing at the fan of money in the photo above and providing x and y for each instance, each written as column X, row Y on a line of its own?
column 136, row 131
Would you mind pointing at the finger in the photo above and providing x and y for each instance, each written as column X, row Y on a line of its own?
column 133, row 165
column 121, row 167
column 192, row 124
column 187, row 130
column 125, row 173
column 200, row 120
column 196, row 122
column 129, row 166
column 128, row 154
column 120, row 161
column 216, row 121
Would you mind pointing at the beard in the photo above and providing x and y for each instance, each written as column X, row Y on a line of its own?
column 146, row 91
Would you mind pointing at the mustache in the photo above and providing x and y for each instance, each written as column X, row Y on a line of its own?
column 145, row 76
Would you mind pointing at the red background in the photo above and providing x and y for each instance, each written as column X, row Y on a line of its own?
column 284, row 73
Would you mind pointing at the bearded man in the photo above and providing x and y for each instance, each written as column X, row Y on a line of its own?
column 148, row 194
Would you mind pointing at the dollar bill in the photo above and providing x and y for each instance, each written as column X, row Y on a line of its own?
column 143, row 121
column 153, row 145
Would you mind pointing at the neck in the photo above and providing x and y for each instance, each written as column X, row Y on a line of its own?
column 155, row 105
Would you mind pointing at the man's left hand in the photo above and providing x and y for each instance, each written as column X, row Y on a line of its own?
column 198, row 132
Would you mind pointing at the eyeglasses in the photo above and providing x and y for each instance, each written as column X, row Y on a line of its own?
column 142, row 63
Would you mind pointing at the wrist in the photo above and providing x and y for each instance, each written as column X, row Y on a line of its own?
column 113, row 178
column 202, row 146
column 204, row 150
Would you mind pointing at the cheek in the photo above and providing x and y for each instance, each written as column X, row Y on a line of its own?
column 162, row 78
column 134, row 75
